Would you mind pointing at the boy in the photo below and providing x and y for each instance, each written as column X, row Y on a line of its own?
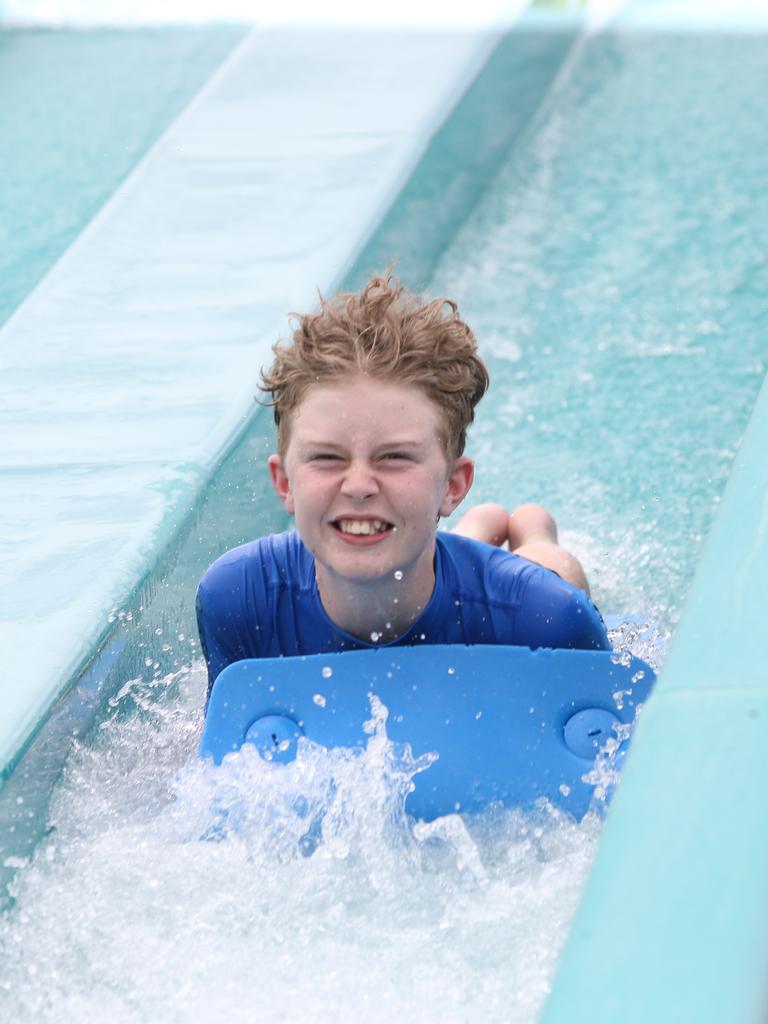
column 372, row 401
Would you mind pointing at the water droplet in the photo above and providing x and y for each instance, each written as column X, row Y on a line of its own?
column 478, row 716
column 375, row 637
column 301, row 806
column 307, row 845
column 451, row 671
column 565, row 790
column 398, row 574
column 319, row 699
column 327, row 672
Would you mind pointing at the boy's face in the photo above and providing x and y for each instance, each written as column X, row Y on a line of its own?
column 366, row 475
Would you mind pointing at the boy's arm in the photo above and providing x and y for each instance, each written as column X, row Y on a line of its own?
column 588, row 630
column 554, row 613
column 229, row 612
column 233, row 607
column 215, row 640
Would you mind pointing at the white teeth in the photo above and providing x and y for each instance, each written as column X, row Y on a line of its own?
column 362, row 526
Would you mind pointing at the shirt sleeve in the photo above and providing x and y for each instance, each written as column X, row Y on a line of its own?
column 553, row 613
column 230, row 606
column 217, row 648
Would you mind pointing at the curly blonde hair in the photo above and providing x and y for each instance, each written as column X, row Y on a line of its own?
column 387, row 332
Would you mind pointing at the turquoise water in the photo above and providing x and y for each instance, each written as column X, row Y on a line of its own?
column 78, row 110
column 613, row 271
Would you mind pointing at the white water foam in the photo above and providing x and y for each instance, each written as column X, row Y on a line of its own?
column 170, row 890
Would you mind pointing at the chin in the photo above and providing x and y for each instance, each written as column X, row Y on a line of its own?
column 357, row 569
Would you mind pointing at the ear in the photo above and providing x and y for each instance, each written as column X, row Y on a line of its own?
column 458, row 484
column 280, row 482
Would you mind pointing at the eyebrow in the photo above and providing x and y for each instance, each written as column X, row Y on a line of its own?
column 382, row 445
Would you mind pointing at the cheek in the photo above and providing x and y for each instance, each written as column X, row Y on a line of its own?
column 423, row 498
column 311, row 495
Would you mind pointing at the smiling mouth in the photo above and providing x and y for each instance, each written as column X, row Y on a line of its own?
column 362, row 527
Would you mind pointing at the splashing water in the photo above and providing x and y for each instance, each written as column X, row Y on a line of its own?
column 172, row 890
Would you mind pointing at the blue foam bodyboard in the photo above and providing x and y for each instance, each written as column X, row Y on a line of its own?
column 509, row 724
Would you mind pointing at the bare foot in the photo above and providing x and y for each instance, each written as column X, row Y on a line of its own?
column 533, row 535
column 531, row 532
column 488, row 523
column 530, row 523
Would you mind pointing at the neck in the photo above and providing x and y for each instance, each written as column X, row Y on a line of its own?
column 380, row 610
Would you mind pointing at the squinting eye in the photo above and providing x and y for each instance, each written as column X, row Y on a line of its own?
column 324, row 457
column 396, row 455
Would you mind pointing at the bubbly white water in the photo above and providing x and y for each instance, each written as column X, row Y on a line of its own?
column 169, row 891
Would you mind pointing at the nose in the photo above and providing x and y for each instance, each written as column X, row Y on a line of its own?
column 359, row 481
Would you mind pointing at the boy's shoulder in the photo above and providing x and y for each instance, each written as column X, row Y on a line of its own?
column 277, row 558
column 486, row 573
column 470, row 559
column 547, row 610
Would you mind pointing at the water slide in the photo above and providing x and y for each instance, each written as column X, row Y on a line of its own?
column 664, row 877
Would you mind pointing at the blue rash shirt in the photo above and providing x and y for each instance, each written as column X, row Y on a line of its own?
column 261, row 600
